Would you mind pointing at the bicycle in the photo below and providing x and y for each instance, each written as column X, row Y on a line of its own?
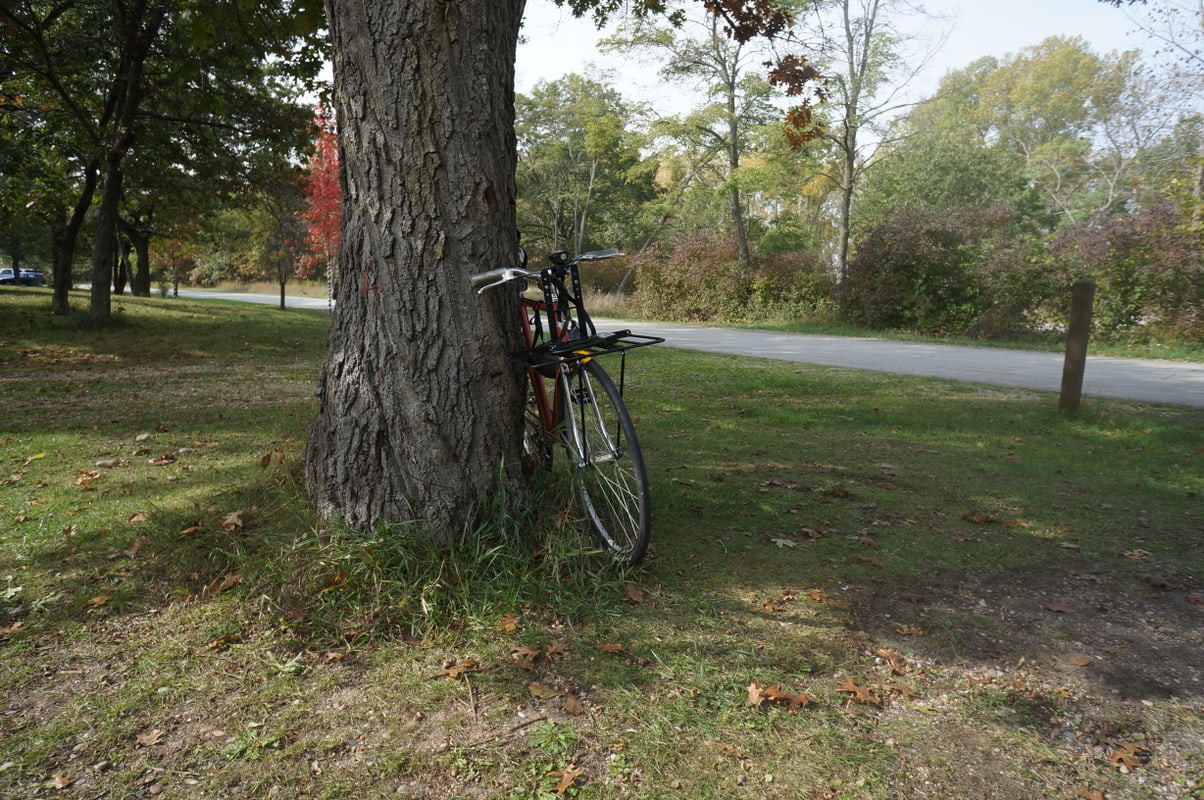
column 572, row 400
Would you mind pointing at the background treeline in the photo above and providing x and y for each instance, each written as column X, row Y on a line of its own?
column 968, row 212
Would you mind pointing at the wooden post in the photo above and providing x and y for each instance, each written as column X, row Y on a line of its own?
column 1081, row 302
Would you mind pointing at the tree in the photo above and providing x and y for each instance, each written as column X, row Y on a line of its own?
column 701, row 52
column 863, row 53
column 122, row 75
column 419, row 412
column 323, row 201
column 582, row 181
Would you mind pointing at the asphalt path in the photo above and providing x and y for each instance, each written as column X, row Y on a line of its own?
column 1144, row 380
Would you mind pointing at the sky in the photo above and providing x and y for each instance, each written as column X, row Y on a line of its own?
column 557, row 44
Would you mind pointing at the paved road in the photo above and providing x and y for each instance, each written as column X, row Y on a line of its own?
column 1176, row 382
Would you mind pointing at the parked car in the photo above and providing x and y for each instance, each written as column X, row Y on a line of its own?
column 27, row 277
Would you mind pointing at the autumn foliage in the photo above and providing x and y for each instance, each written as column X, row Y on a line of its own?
column 324, row 197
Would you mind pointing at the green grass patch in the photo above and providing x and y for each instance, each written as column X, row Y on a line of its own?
column 968, row 593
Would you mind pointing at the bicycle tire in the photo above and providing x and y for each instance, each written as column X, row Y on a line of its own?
column 537, row 443
column 604, row 454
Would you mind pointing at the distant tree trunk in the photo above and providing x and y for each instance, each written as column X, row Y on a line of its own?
column 419, row 412
column 65, row 254
column 141, row 28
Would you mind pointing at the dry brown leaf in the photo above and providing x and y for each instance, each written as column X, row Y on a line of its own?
column 759, row 695
column 61, row 780
column 524, row 657
column 507, row 624
column 1079, row 660
column 634, row 593
column 99, row 600
column 556, row 650
column 573, row 706
column 539, row 690
column 150, row 738
column 266, row 461
column 912, row 597
column 816, row 595
column 189, row 531
column 610, row 647
column 860, row 694
column 461, row 667
column 567, row 776
column 219, row 585
column 11, row 629
column 232, row 521
column 909, row 630
column 898, row 665
column 1084, row 792
column 1056, row 605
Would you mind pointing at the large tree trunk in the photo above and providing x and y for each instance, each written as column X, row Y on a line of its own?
column 419, row 412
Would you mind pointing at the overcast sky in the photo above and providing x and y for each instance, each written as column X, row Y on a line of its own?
column 557, row 44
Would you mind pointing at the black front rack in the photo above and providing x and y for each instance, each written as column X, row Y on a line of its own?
column 553, row 354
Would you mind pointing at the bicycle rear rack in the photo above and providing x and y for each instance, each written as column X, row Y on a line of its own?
column 552, row 354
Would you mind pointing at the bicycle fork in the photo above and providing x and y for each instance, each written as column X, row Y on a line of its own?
column 581, row 403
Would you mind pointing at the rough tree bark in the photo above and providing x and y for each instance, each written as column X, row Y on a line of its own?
column 419, row 411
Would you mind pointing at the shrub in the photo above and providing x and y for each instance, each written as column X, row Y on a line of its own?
column 970, row 272
column 1148, row 271
column 691, row 279
column 699, row 279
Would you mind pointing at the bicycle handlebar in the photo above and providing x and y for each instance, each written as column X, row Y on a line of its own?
column 489, row 279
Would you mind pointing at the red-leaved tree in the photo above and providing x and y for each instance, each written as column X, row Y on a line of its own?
column 324, row 200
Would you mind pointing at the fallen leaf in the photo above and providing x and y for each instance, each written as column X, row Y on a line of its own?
column 150, row 738
column 539, row 690
column 1056, row 605
column 573, row 706
column 189, row 531
column 634, row 593
column 1079, row 661
column 1084, row 792
column 759, row 695
column 507, row 624
column 610, row 647
column 219, row 585
column 816, row 595
column 163, row 460
column 61, row 780
column 232, row 521
column 912, row 597
column 898, row 665
column 1136, row 555
column 457, row 668
column 909, row 630
column 99, row 600
column 524, row 657
column 873, row 561
column 567, row 776
column 223, row 642
column 138, row 517
column 784, row 543
column 1157, row 581
column 556, row 650
column 860, row 694
column 266, row 461
column 11, row 629
column 961, row 536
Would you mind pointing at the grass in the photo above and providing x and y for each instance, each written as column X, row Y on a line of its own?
column 1018, row 592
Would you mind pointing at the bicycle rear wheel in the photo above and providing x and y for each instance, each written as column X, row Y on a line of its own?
column 537, row 442
column 605, row 455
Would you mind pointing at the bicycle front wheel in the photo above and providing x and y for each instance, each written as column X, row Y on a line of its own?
column 605, row 455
